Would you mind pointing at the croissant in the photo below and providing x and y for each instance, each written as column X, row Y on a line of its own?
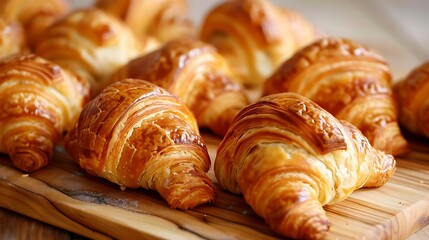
column 289, row 158
column 197, row 74
column 350, row 81
column 165, row 20
column 255, row 36
column 39, row 101
column 412, row 94
column 91, row 43
column 136, row 134
column 34, row 15
column 12, row 39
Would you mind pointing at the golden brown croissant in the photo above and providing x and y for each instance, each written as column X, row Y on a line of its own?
column 163, row 19
column 34, row 15
column 289, row 158
column 136, row 134
column 412, row 94
column 38, row 102
column 92, row 43
column 255, row 36
column 12, row 39
column 350, row 81
column 196, row 73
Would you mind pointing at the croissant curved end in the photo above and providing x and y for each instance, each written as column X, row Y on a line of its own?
column 316, row 225
column 186, row 188
column 389, row 139
column 303, row 220
column 29, row 159
column 384, row 167
column 196, row 196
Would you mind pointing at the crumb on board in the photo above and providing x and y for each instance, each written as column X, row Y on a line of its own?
column 123, row 187
column 24, row 175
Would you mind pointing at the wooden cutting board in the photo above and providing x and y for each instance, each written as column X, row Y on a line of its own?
column 65, row 196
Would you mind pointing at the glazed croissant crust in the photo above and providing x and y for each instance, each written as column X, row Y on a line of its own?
column 91, row 43
column 163, row 19
column 351, row 82
column 197, row 74
column 136, row 134
column 412, row 94
column 38, row 102
column 255, row 36
column 289, row 157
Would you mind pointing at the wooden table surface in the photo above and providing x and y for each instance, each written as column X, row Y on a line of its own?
column 398, row 29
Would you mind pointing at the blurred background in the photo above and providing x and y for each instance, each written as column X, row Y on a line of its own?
column 398, row 29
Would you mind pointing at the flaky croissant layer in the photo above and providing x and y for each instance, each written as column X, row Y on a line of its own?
column 255, row 36
column 289, row 158
column 351, row 81
column 197, row 74
column 136, row 134
column 91, row 43
column 38, row 102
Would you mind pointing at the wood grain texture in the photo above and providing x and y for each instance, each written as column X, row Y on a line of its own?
column 13, row 224
column 65, row 196
column 422, row 234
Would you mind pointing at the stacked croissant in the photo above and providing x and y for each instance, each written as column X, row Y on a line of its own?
column 129, row 95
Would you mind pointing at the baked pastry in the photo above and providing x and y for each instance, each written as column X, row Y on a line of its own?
column 39, row 101
column 12, row 39
column 289, row 158
column 136, row 134
column 350, row 81
column 255, row 36
column 164, row 19
column 34, row 15
column 92, row 43
column 196, row 73
column 412, row 94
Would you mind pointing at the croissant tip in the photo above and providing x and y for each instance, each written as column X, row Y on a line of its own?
column 317, row 228
column 202, row 193
column 400, row 148
column 390, row 140
column 321, row 230
column 199, row 197
column 28, row 161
